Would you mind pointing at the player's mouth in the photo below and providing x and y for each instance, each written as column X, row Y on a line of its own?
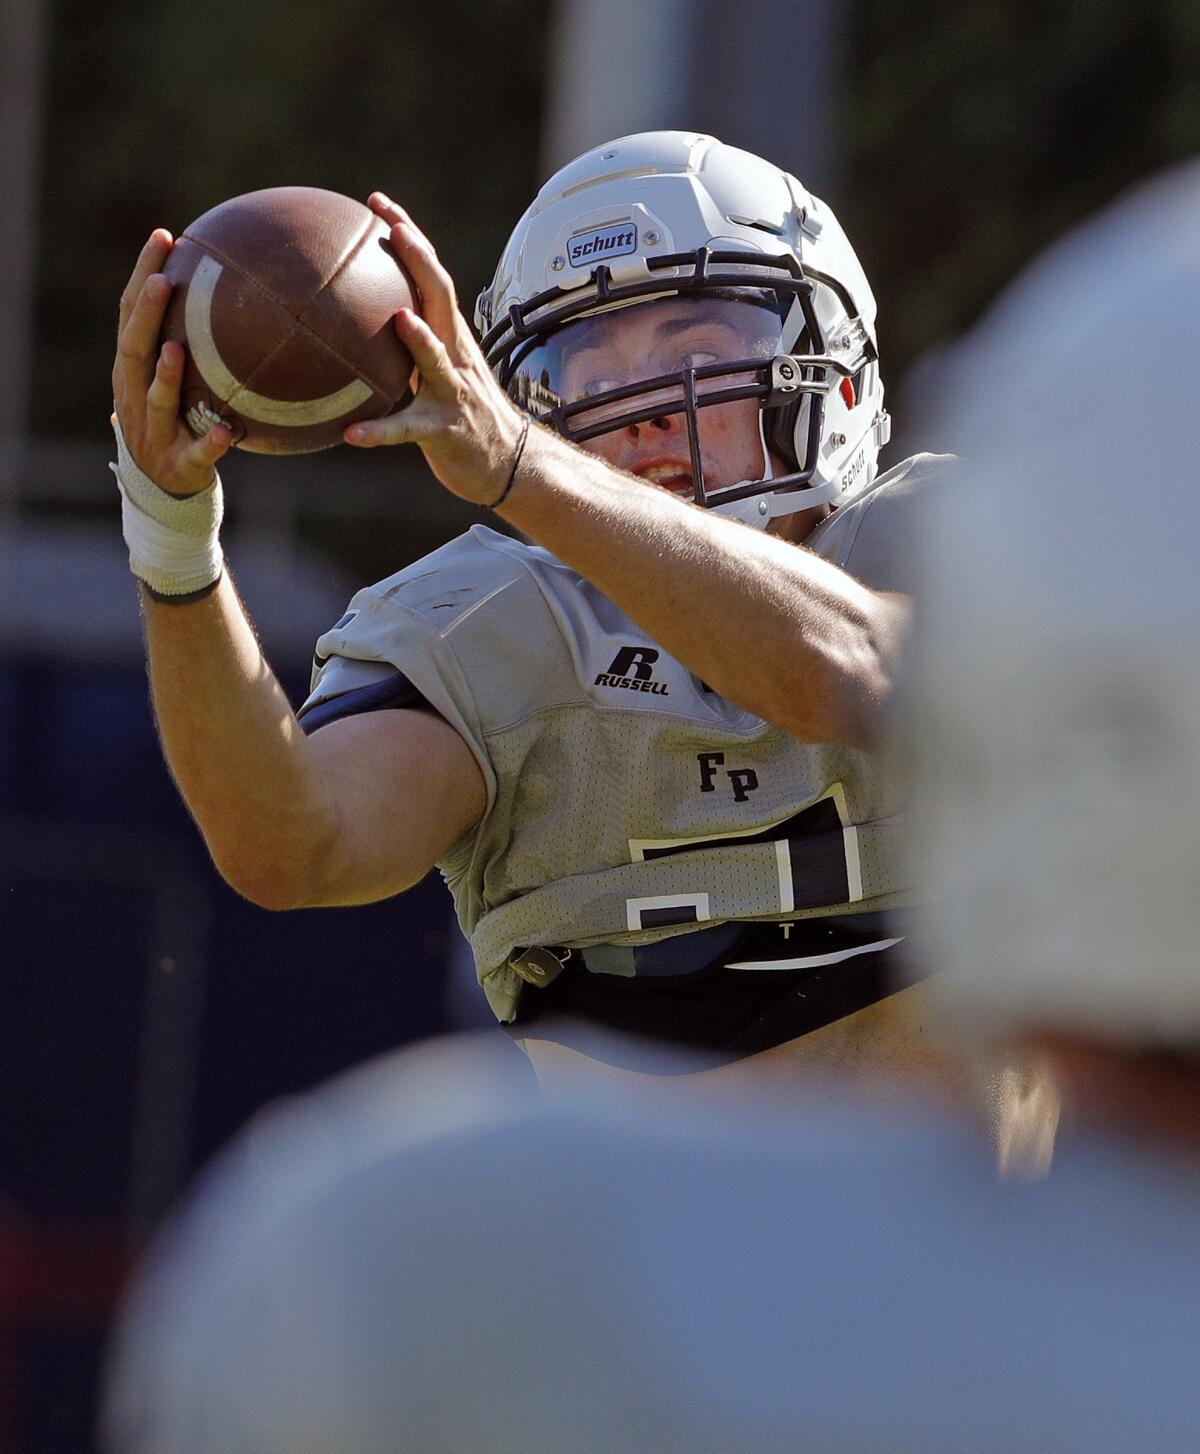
column 668, row 474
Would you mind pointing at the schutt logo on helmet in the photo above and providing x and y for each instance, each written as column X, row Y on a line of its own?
column 602, row 242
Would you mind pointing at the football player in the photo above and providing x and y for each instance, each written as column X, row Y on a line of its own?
column 648, row 818
column 422, row 1258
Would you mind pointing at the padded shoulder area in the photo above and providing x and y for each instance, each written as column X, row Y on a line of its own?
column 876, row 536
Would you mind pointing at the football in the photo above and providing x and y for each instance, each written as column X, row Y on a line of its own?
column 284, row 300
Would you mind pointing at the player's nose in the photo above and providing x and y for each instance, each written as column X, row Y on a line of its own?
column 661, row 423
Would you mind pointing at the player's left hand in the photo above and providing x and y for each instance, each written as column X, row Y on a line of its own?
column 467, row 428
column 146, row 379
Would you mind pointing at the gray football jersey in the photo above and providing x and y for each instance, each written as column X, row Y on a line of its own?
column 626, row 802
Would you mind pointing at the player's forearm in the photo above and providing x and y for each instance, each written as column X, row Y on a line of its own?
column 767, row 624
column 235, row 749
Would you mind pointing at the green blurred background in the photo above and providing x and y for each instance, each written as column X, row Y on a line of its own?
column 144, row 1011
column 961, row 139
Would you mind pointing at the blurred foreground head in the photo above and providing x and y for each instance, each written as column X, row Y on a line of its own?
column 1056, row 689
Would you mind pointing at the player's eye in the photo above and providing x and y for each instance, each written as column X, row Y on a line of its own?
column 591, row 387
column 688, row 356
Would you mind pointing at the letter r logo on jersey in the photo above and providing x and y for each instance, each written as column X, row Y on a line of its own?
column 634, row 661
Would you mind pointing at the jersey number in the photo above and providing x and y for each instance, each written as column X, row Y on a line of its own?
column 816, row 857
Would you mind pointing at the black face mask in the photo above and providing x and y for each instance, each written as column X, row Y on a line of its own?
column 521, row 350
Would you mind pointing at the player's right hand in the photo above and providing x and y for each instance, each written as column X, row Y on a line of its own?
column 468, row 429
column 146, row 383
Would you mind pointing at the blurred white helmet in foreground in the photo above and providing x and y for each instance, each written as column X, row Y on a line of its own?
column 1056, row 688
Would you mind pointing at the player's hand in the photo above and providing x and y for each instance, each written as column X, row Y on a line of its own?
column 466, row 426
column 146, row 382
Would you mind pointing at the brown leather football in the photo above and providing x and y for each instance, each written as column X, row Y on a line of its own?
column 284, row 299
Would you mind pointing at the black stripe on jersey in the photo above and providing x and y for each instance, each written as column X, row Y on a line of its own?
column 816, row 848
column 665, row 917
column 821, row 817
column 393, row 691
column 819, row 874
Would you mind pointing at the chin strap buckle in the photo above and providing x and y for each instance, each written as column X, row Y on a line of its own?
column 786, row 382
column 882, row 426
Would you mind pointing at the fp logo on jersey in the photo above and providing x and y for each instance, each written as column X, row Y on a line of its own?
column 743, row 780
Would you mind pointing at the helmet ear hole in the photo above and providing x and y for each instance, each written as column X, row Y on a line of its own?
column 779, row 424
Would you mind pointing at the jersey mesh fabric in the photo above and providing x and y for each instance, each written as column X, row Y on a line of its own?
column 610, row 767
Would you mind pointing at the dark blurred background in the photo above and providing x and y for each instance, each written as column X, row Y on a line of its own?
column 145, row 1011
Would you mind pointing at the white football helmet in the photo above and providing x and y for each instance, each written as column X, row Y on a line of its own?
column 677, row 215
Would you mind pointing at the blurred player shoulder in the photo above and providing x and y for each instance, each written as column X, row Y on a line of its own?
column 425, row 1255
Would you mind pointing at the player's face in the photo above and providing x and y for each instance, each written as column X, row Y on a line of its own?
column 632, row 345
column 635, row 344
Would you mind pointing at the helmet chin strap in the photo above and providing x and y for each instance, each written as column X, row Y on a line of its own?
column 768, row 468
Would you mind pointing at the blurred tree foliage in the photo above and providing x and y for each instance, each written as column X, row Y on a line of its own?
column 156, row 112
column 973, row 135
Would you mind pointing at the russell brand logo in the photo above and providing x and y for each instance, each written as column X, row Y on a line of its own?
column 602, row 243
column 632, row 668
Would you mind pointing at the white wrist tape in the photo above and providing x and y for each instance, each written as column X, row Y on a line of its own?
column 173, row 541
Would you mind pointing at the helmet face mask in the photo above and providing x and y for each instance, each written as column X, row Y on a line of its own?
column 720, row 337
column 809, row 361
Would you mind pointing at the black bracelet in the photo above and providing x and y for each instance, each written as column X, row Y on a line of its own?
column 184, row 600
column 512, row 474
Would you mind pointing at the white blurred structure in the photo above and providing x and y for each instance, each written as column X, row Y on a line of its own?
column 1058, row 684
column 760, row 73
column 427, row 1257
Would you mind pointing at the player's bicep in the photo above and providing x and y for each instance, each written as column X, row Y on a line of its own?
column 405, row 788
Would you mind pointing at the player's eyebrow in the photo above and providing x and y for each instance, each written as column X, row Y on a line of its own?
column 671, row 328
column 675, row 326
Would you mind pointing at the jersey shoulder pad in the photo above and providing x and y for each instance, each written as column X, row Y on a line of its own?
column 475, row 627
column 479, row 573
column 876, row 535
column 447, row 583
